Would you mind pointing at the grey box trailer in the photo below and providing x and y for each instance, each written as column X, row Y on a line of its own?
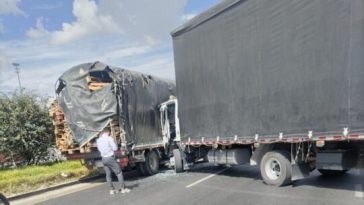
column 276, row 74
column 94, row 95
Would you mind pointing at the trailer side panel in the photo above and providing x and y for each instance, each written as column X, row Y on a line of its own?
column 265, row 67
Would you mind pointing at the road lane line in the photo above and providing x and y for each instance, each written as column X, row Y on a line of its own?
column 46, row 196
column 359, row 191
column 206, row 178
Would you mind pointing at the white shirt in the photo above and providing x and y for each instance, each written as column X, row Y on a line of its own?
column 106, row 145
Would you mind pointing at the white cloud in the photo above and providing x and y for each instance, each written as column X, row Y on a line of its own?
column 150, row 20
column 164, row 66
column 150, row 40
column 42, row 63
column 9, row 7
column 125, row 52
column 39, row 30
column 89, row 21
column 186, row 17
column 3, row 62
column 128, row 34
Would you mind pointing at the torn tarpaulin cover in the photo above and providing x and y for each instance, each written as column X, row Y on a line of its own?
column 87, row 112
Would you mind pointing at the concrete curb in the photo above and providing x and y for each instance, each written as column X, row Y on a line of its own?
column 40, row 191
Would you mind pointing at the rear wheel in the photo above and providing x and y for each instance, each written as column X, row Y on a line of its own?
column 327, row 172
column 178, row 163
column 275, row 168
column 141, row 168
column 152, row 163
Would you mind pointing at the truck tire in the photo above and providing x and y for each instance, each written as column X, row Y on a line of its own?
column 275, row 168
column 141, row 168
column 327, row 172
column 151, row 163
column 178, row 163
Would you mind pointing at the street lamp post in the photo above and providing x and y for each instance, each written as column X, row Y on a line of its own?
column 17, row 71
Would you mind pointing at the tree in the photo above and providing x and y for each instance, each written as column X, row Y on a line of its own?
column 26, row 130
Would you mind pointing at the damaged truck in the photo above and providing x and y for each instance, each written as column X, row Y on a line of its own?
column 92, row 96
column 278, row 84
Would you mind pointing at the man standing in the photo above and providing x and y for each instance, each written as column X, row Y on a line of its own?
column 107, row 146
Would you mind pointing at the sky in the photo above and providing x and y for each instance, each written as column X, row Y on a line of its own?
column 47, row 37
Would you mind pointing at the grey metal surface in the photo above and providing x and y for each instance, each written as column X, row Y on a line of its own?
column 270, row 66
column 139, row 95
column 330, row 161
column 229, row 156
column 336, row 159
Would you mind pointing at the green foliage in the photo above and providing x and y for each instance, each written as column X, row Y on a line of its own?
column 26, row 130
column 30, row 178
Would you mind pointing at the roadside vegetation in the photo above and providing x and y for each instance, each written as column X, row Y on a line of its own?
column 33, row 177
column 26, row 130
column 28, row 158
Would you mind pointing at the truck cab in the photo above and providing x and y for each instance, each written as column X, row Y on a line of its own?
column 170, row 122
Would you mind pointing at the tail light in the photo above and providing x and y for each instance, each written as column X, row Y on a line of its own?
column 124, row 162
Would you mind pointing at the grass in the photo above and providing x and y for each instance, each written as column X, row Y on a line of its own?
column 30, row 178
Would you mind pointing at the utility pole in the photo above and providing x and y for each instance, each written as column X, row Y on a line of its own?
column 17, row 71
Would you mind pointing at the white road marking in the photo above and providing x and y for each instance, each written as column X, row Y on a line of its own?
column 56, row 193
column 206, row 178
column 359, row 191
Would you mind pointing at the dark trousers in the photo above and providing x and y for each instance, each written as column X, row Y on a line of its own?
column 110, row 164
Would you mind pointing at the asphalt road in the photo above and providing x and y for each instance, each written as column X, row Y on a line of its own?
column 216, row 185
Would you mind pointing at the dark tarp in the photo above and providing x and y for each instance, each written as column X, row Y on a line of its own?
column 270, row 66
column 136, row 95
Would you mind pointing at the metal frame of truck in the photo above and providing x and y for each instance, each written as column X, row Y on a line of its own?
column 282, row 159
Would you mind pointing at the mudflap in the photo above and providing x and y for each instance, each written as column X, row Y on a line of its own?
column 300, row 171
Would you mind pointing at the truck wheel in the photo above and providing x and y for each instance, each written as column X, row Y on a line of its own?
column 327, row 172
column 141, row 168
column 275, row 168
column 178, row 163
column 152, row 163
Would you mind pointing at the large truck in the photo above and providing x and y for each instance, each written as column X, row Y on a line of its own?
column 278, row 84
column 92, row 96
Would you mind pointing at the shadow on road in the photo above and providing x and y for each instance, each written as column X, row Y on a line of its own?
column 343, row 182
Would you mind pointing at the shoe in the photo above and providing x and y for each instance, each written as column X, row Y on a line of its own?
column 125, row 190
column 112, row 192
